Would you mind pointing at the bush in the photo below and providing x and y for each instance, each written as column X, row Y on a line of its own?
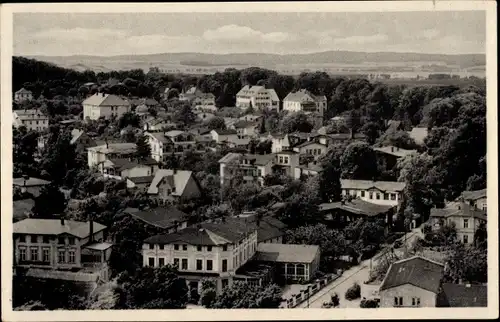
column 354, row 292
column 368, row 304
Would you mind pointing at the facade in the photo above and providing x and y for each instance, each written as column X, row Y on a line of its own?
column 464, row 217
column 305, row 101
column 23, row 95
column 81, row 140
column 33, row 120
column 99, row 154
column 379, row 192
column 161, row 146
column 246, row 129
column 253, row 167
column 170, row 184
column 105, row 106
column 411, row 282
column 55, row 244
column 312, row 148
column 310, row 169
column 223, row 135
column 128, row 168
column 157, row 125
column 257, row 97
column 182, row 141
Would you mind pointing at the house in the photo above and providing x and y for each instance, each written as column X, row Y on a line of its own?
column 167, row 218
column 30, row 185
column 246, row 129
column 101, row 153
column 201, row 131
column 257, row 97
column 463, row 295
column 311, row 169
column 161, row 145
column 411, row 282
column 238, row 143
column 32, row 119
column 210, row 250
column 280, row 142
column 22, row 209
column 388, row 156
column 312, row 148
column 158, row 125
column 341, row 213
column 23, row 95
column 379, row 192
column 128, row 168
column 142, row 111
column 229, row 121
column 304, row 101
column 285, row 162
column 294, row 263
column 164, row 93
column 253, row 167
column 81, row 140
column 223, row 135
column 204, row 102
column 54, row 248
column 464, row 217
column 394, row 126
column 418, row 134
column 182, row 141
column 269, row 229
column 170, row 184
column 105, row 106
column 476, row 198
column 141, row 183
column 251, row 118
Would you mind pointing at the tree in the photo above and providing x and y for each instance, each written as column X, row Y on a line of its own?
column 359, row 162
column 216, row 123
column 466, row 263
column 481, row 237
column 241, row 295
column 329, row 180
column 208, row 294
column 353, row 292
column 353, row 121
column 50, row 203
column 372, row 131
column 143, row 147
column 184, row 114
column 24, row 146
column 128, row 119
column 399, row 139
column 297, row 122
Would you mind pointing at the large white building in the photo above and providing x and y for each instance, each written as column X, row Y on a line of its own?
column 33, row 119
column 104, row 105
column 387, row 193
column 257, row 97
column 305, row 101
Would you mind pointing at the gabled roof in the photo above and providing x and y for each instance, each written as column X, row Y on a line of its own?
column 463, row 295
column 245, row 124
column 75, row 135
column 286, row 253
column 125, row 164
column 225, row 132
column 267, row 227
column 31, row 182
column 417, row 271
column 395, row 151
column 100, row 99
column 23, row 91
column 367, row 184
column 178, row 178
column 357, row 206
column 309, row 143
column 460, row 210
column 139, row 180
column 299, row 96
column 163, row 217
column 257, row 159
column 474, row 195
column 159, row 136
column 174, row 133
column 79, row 229
column 120, row 148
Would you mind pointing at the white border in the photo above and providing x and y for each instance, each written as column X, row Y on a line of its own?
column 212, row 315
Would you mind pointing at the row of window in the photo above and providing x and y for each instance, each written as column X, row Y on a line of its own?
column 45, row 122
column 283, row 159
column 313, row 151
column 377, row 195
column 184, row 247
column 398, row 301
column 35, row 255
column 183, row 264
column 46, row 239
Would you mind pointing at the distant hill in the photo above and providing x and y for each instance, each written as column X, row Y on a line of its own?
column 267, row 60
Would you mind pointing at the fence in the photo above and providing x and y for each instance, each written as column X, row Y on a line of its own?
column 312, row 289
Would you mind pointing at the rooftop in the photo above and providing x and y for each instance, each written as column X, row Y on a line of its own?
column 286, row 253
column 163, row 217
column 357, row 206
column 22, row 207
column 463, row 295
column 367, row 184
column 101, row 100
column 300, row 96
column 139, row 180
column 395, row 151
column 121, row 148
column 125, row 164
column 474, row 195
column 245, row 124
column 30, row 182
column 177, row 178
column 417, row 271
column 267, row 227
column 459, row 210
column 224, row 132
column 79, row 229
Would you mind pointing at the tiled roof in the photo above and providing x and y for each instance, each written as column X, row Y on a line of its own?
column 100, row 99
column 395, row 151
column 174, row 133
column 121, row 148
column 31, row 182
column 224, row 132
column 139, row 180
column 463, row 295
column 417, row 271
column 268, row 227
column 159, row 136
column 237, row 141
column 367, row 184
column 461, row 210
column 53, row 227
column 163, row 217
column 474, row 195
column 245, row 124
column 309, row 143
column 357, row 206
column 299, row 96
column 179, row 179
column 286, row 253
column 125, row 164
column 75, row 135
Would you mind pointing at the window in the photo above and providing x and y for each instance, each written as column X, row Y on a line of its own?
column 71, row 240
column 151, row 261
column 161, row 246
column 176, row 262
column 46, row 255
column 301, row 270
column 34, row 253
column 161, row 262
column 34, row 238
column 398, row 301
column 176, row 247
column 386, row 196
column 22, row 238
column 61, row 241
column 22, row 253
column 286, row 159
column 209, row 248
column 415, row 301
column 199, row 264
column 184, row 263
column 362, row 193
column 184, row 247
column 224, row 265
column 225, row 282
column 151, row 246
column 46, row 239
column 466, row 223
column 484, row 207
column 370, row 195
column 61, row 256
column 209, row 265
column 378, row 196
column 198, row 248
column 393, row 196
column 466, row 239
column 71, row 256
column 280, row 159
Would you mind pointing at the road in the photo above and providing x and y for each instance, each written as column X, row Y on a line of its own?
column 359, row 273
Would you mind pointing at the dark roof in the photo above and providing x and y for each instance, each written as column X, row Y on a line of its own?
column 357, row 206
column 461, row 210
column 124, row 164
column 209, row 234
column 224, row 132
column 139, row 180
column 163, row 217
column 417, row 271
column 31, row 182
column 79, row 229
column 286, row 253
column 267, row 229
column 474, row 195
column 244, row 124
column 463, row 295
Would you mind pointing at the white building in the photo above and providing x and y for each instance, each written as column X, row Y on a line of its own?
column 99, row 154
column 387, row 193
column 23, row 95
column 257, row 97
column 33, row 120
column 104, row 105
column 305, row 101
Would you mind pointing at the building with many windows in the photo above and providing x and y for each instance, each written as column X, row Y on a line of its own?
column 304, row 101
column 257, row 97
column 105, row 106
column 99, row 154
column 379, row 192
column 33, row 119
column 23, row 95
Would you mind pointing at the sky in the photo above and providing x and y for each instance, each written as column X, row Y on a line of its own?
column 60, row 34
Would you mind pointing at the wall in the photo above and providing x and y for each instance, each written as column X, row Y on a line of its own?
column 366, row 197
column 407, row 291
column 138, row 171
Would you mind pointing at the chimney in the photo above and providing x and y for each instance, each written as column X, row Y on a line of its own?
column 107, row 145
column 392, row 149
column 62, row 220
column 91, row 230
